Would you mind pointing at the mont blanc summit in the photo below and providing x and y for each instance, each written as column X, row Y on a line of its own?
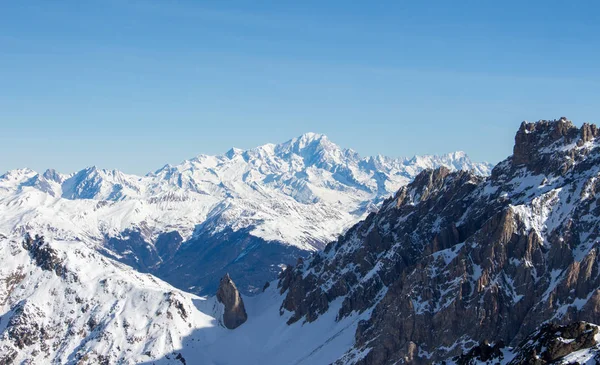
column 244, row 212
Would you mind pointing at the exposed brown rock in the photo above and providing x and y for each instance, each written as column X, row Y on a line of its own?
column 484, row 352
column 588, row 132
column 533, row 138
column 45, row 256
column 24, row 328
column 235, row 312
column 547, row 345
column 453, row 259
column 553, row 342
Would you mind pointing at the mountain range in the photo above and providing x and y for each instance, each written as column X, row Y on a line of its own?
column 248, row 213
column 453, row 268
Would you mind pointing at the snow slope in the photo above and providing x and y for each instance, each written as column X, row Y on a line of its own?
column 64, row 303
column 266, row 338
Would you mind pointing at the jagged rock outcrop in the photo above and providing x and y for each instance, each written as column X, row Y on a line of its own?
column 453, row 259
column 574, row 343
column 482, row 353
column 553, row 342
column 45, row 256
column 310, row 291
column 529, row 141
column 234, row 314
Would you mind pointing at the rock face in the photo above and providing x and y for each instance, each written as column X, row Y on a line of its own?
column 45, row 256
column 234, row 314
column 455, row 259
column 551, row 344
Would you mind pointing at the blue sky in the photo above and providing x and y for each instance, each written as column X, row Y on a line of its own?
column 136, row 84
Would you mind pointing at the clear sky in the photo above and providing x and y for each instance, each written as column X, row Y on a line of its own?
column 136, row 84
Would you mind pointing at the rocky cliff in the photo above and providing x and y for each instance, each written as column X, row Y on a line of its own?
column 454, row 259
column 575, row 343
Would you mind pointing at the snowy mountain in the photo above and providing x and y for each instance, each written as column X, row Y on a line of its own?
column 64, row 303
column 455, row 268
column 455, row 259
column 246, row 212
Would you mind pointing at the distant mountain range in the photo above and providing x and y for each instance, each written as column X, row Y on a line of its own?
column 246, row 212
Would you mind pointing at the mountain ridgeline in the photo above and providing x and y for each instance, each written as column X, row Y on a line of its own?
column 454, row 259
column 244, row 212
column 454, row 268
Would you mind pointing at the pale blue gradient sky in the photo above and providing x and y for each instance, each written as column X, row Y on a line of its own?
column 136, row 84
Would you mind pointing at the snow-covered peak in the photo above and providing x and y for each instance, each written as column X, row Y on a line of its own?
column 53, row 175
column 306, row 140
column 314, row 149
column 301, row 193
column 454, row 160
column 457, row 155
column 12, row 180
column 233, row 152
column 311, row 136
column 17, row 175
column 101, row 184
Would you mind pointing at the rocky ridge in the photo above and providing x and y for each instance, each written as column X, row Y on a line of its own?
column 454, row 259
